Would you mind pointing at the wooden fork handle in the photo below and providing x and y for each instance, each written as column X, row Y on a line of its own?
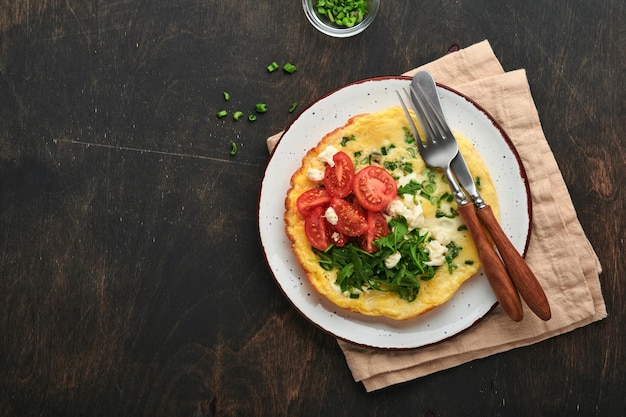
column 523, row 277
column 492, row 265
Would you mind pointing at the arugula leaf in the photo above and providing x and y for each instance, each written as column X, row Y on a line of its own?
column 412, row 187
column 358, row 270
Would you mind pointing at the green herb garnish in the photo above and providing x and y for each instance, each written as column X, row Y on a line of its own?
column 358, row 270
column 386, row 149
column 450, row 215
column 453, row 251
column 346, row 139
column 408, row 136
column 343, row 13
column 412, row 188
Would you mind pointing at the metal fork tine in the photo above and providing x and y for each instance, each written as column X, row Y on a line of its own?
column 408, row 116
column 433, row 115
column 430, row 116
column 429, row 132
column 425, row 121
column 425, row 137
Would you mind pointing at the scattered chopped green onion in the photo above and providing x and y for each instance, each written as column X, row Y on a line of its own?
column 221, row 113
column 237, row 115
column 261, row 107
column 290, row 68
column 226, row 96
column 233, row 148
column 272, row 67
column 252, row 117
column 293, row 106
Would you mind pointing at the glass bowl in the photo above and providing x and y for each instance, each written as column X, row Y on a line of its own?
column 325, row 26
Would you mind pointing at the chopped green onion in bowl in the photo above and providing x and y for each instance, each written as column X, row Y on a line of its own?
column 342, row 12
column 341, row 18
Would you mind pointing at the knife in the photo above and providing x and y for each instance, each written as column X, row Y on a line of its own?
column 522, row 276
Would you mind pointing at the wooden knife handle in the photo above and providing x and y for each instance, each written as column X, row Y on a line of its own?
column 523, row 277
column 492, row 265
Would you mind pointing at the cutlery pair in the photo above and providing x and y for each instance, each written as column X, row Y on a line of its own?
column 508, row 273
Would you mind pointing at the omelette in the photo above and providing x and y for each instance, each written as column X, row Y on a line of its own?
column 375, row 230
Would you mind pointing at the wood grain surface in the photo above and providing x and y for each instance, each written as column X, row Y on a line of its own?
column 132, row 280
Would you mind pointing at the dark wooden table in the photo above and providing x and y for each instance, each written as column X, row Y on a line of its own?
column 132, row 278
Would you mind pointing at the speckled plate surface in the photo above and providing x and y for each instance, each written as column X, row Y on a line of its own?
column 473, row 300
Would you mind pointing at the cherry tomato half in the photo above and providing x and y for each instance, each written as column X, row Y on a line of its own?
column 315, row 229
column 335, row 236
column 311, row 199
column 374, row 188
column 351, row 220
column 338, row 179
column 377, row 227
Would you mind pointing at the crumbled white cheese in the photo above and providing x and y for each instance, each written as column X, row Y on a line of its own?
column 395, row 208
column 405, row 179
column 436, row 253
column 315, row 174
column 440, row 234
column 415, row 217
column 327, row 155
column 331, row 216
column 409, row 209
column 392, row 260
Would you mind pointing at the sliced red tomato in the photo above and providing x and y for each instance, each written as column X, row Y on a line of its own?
column 311, row 199
column 335, row 236
column 377, row 227
column 351, row 220
column 338, row 179
column 374, row 188
column 315, row 229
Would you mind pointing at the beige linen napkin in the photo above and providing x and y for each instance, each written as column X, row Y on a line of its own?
column 558, row 252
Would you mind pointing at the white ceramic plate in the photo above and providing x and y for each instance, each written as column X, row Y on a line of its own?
column 473, row 300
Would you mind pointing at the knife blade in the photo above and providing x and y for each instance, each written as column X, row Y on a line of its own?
column 463, row 174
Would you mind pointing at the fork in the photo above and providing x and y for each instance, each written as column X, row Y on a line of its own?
column 438, row 152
